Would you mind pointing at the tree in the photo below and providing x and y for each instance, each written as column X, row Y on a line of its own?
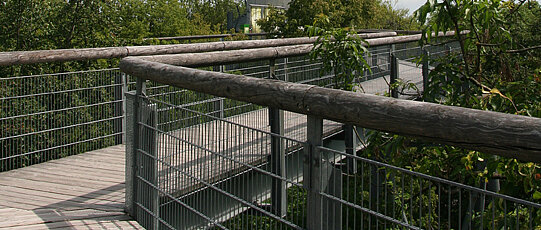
column 356, row 14
column 497, row 68
column 340, row 52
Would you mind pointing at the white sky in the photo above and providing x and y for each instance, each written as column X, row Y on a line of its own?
column 412, row 5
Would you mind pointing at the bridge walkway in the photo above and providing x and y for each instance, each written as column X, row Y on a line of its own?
column 84, row 191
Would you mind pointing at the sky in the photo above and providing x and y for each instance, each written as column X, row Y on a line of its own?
column 412, row 5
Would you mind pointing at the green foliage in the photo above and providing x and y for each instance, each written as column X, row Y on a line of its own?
column 340, row 13
column 340, row 52
column 496, row 69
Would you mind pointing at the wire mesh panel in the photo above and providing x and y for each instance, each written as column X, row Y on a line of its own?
column 382, row 196
column 208, row 172
column 45, row 117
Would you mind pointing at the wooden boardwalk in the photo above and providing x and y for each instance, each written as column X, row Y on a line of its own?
column 85, row 191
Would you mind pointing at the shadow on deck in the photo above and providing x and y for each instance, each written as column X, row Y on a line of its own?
column 85, row 191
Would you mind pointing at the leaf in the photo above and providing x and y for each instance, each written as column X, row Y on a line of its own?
column 537, row 195
column 495, row 91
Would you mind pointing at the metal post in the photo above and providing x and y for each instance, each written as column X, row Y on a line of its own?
column 286, row 75
column 132, row 140
column 124, row 106
column 278, row 158
column 312, row 173
column 219, row 103
column 118, row 109
column 272, row 69
column 425, row 70
column 278, row 162
column 394, row 75
column 350, row 140
column 148, row 170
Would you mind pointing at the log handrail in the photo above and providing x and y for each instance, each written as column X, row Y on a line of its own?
column 62, row 55
column 200, row 59
column 496, row 133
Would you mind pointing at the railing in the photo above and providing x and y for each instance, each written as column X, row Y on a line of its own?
column 265, row 168
column 48, row 116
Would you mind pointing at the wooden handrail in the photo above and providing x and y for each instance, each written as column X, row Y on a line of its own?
column 61, row 55
column 247, row 54
column 496, row 133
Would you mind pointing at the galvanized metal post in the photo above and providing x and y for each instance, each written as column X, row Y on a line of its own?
column 148, row 167
column 425, row 69
column 118, row 112
column 286, row 74
column 394, row 75
column 278, row 158
column 312, row 173
column 219, row 103
column 391, row 52
column 278, row 162
column 124, row 106
column 350, row 140
column 272, row 69
column 132, row 144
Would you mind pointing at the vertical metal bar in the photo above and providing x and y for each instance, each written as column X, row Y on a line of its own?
column 286, row 74
column 132, row 140
column 425, row 70
column 149, row 163
column 350, row 140
column 312, row 173
column 278, row 162
column 394, row 75
column 374, row 67
column 124, row 105
column 219, row 104
column 278, row 159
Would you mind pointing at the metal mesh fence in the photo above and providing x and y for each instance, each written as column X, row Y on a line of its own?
column 214, row 173
column 382, row 196
column 45, row 117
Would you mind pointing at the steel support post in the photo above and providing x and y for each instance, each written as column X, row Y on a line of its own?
column 374, row 67
column 350, row 139
column 133, row 106
column 148, row 195
column 286, row 74
column 394, row 75
column 278, row 162
column 118, row 108
column 278, row 158
column 124, row 107
column 219, row 103
column 312, row 173
column 425, row 69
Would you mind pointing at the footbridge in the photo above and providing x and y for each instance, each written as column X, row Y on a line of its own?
column 241, row 135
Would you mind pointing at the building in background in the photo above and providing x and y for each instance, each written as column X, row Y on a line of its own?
column 255, row 10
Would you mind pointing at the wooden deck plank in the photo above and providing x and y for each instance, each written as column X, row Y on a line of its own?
column 67, row 168
column 109, row 222
column 83, row 191
column 50, row 186
column 71, row 204
column 59, row 196
column 73, row 181
column 94, row 165
column 32, row 218
column 95, row 176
